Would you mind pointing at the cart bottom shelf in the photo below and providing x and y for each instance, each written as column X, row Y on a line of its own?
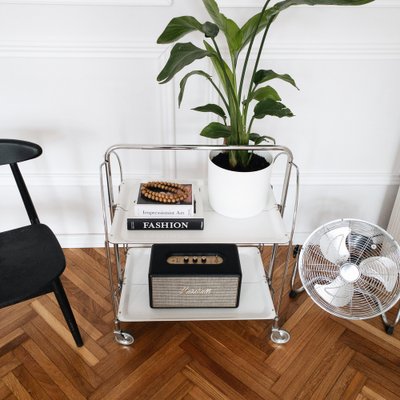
column 255, row 296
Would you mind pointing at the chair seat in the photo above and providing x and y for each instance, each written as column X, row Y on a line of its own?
column 30, row 258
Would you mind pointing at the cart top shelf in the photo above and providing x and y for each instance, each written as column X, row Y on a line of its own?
column 266, row 228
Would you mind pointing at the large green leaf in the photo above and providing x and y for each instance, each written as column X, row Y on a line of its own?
column 179, row 27
column 184, row 81
column 271, row 13
column 213, row 10
column 210, row 30
column 271, row 107
column 215, row 130
column 182, row 54
column 231, row 30
column 264, row 93
column 213, row 108
column 264, row 75
column 257, row 139
column 220, row 69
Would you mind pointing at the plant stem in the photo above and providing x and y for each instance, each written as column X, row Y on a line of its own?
column 246, row 107
column 233, row 98
column 249, row 49
column 250, row 125
column 259, row 55
column 221, row 62
column 221, row 94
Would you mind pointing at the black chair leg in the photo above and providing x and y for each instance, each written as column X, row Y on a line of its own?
column 67, row 311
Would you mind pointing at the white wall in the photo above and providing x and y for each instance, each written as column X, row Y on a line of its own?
column 77, row 76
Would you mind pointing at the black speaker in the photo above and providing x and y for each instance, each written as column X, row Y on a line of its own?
column 194, row 276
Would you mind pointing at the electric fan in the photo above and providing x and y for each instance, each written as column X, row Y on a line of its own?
column 350, row 268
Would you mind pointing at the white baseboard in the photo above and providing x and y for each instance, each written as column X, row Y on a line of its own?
column 78, row 241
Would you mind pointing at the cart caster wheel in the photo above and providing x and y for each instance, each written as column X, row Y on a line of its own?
column 124, row 338
column 389, row 329
column 280, row 336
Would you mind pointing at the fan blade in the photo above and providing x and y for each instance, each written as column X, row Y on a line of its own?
column 338, row 293
column 333, row 245
column 381, row 268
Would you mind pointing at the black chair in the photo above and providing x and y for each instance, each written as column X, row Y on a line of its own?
column 31, row 259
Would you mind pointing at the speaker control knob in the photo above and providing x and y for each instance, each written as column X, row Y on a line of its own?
column 185, row 259
column 194, row 259
column 203, row 259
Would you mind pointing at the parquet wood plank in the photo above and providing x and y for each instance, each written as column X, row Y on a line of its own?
column 198, row 394
column 375, row 391
column 84, row 303
column 164, row 376
column 372, row 333
column 33, row 387
column 291, row 382
column 371, row 350
column 326, row 374
column 341, row 384
column 354, row 387
column 7, row 363
column 40, row 375
column 52, row 369
column 127, row 359
column 243, row 377
column 60, row 328
column 75, row 365
column 4, row 391
column 12, row 340
column 229, row 337
column 14, row 317
column 90, row 271
column 90, row 289
column 327, row 358
column 386, row 376
column 302, row 334
column 175, row 388
column 143, row 374
column 210, row 383
column 15, row 386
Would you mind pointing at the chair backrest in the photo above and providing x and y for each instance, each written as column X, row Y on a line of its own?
column 12, row 152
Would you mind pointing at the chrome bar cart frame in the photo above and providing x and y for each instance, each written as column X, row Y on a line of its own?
column 115, row 252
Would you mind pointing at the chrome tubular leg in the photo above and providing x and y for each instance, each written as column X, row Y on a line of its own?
column 295, row 291
column 279, row 335
column 389, row 327
column 272, row 264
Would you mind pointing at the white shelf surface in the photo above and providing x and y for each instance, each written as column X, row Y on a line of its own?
column 266, row 227
column 255, row 297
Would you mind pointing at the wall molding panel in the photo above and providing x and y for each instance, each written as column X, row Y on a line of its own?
column 260, row 3
column 114, row 3
column 79, row 76
column 307, row 179
column 121, row 49
column 81, row 50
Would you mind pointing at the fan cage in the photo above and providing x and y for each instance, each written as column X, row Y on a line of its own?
column 369, row 297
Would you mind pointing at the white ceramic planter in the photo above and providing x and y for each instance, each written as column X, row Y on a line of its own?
column 238, row 194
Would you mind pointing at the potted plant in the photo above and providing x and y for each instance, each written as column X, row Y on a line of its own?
column 242, row 100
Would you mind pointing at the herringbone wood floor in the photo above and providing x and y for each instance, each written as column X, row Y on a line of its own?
column 327, row 358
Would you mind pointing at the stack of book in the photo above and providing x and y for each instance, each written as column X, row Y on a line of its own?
column 153, row 215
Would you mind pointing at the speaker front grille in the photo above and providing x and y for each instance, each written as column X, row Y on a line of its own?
column 186, row 292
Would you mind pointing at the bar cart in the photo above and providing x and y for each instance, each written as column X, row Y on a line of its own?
column 128, row 251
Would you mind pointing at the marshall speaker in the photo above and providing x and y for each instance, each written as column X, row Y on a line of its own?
column 194, row 276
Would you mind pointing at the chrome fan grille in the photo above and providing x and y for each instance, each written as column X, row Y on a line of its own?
column 350, row 268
